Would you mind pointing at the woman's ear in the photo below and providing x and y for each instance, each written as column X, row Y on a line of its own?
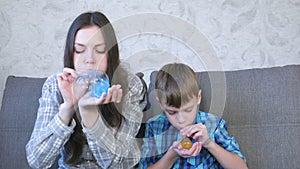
column 199, row 96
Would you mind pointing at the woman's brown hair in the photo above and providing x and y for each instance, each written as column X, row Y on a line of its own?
column 110, row 112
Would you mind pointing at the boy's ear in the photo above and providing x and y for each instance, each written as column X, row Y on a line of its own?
column 199, row 96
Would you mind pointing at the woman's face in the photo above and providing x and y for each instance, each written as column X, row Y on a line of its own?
column 89, row 50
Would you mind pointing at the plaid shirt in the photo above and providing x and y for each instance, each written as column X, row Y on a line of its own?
column 104, row 150
column 160, row 134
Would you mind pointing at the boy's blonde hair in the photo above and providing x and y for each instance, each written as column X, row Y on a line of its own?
column 176, row 84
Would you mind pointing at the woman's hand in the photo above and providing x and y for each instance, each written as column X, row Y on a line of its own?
column 88, row 105
column 198, row 132
column 71, row 92
column 66, row 86
column 114, row 95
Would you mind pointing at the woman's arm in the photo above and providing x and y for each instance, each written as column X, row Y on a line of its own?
column 122, row 149
column 49, row 133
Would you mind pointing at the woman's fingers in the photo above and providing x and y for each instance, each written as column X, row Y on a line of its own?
column 68, row 74
column 117, row 93
column 114, row 94
column 69, row 71
column 120, row 94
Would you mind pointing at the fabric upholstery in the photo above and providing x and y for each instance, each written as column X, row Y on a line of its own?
column 17, row 117
column 262, row 110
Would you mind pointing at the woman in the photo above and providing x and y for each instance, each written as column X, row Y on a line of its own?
column 88, row 132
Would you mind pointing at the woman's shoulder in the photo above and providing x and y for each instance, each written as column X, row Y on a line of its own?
column 135, row 84
column 50, row 90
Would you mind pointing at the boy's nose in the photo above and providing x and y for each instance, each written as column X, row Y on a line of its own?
column 180, row 118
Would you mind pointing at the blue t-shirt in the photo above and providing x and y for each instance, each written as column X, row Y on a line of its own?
column 160, row 134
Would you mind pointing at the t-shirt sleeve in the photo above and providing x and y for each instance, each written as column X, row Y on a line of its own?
column 229, row 143
column 149, row 151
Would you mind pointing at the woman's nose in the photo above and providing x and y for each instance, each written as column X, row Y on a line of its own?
column 89, row 58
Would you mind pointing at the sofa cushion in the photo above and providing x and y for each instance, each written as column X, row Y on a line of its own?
column 262, row 110
column 17, row 118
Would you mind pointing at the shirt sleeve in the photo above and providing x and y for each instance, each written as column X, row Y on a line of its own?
column 49, row 132
column 150, row 154
column 227, row 142
column 113, row 151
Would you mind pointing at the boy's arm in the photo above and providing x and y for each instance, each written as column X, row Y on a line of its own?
column 151, row 157
column 224, row 148
column 166, row 161
column 224, row 157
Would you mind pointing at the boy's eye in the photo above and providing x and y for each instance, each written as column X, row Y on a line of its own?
column 188, row 110
column 171, row 112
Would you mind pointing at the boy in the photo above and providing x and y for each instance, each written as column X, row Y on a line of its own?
column 179, row 96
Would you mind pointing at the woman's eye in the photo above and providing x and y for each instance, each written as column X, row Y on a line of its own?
column 100, row 51
column 79, row 51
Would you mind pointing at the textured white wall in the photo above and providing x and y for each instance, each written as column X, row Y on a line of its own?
column 206, row 34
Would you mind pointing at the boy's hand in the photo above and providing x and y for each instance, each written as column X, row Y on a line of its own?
column 192, row 152
column 198, row 132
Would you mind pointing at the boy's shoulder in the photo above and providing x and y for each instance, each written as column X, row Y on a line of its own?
column 158, row 124
column 207, row 116
column 158, row 118
column 211, row 121
column 200, row 117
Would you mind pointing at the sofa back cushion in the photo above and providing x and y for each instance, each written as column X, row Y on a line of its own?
column 262, row 110
column 17, row 118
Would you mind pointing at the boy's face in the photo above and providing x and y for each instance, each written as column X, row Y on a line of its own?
column 185, row 115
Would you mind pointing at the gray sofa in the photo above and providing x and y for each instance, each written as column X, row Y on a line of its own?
column 262, row 110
